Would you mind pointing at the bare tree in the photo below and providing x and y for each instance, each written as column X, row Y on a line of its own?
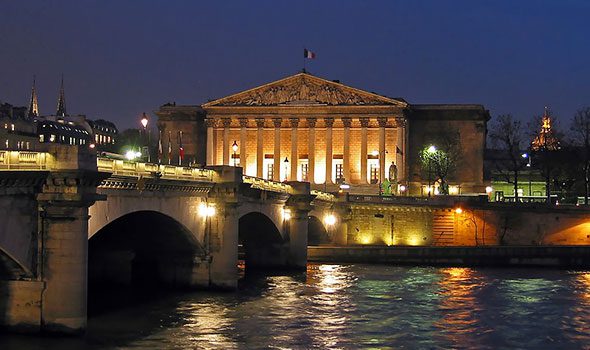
column 507, row 135
column 441, row 157
column 546, row 148
column 580, row 134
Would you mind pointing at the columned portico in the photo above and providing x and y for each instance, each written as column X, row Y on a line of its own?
column 259, row 147
column 294, row 156
column 210, row 141
column 364, row 124
column 243, row 142
column 287, row 114
column 311, row 149
column 277, row 149
column 226, row 123
column 347, row 122
column 329, row 124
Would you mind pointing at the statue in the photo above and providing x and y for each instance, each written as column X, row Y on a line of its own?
column 393, row 178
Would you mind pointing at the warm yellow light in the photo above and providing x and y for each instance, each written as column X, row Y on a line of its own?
column 453, row 190
column 330, row 219
column 402, row 188
column 206, row 210
column 375, row 153
column 365, row 239
column 458, row 210
column 286, row 214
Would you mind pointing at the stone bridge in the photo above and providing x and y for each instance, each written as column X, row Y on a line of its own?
column 72, row 220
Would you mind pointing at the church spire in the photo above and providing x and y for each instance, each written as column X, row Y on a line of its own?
column 61, row 102
column 34, row 104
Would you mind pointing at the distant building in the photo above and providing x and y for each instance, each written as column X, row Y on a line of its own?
column 305, row 128
column 17, row 130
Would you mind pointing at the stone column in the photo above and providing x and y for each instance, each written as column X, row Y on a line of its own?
column 243, row 139
column 299, row 204
column 382, row 155
column 226, row 123
column 210, row 141
column 329, row 124
column 364, row 124
column 259, row 147
column 294, row 155
column 347, row 121
column 277, row 152
column 311, row 150
column 399, row 130
column 223, row 247
column 405, row 166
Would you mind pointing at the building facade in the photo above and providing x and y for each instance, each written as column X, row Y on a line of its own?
column 305, row 128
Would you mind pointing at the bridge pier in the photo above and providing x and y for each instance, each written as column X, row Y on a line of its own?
column 224, row 248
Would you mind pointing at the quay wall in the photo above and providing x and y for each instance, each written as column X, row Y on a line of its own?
column 483, row 225
column 525, row 256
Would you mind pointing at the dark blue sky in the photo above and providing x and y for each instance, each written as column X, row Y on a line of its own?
column 121, row 58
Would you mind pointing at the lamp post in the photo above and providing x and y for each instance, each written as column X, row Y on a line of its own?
column 431, row 152
column 375, row 153
column 528, row 164
column 286, row 162
column 144, row 123
column 234, row 147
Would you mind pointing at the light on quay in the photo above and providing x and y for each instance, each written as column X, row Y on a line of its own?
column 458, row 210
column 131, row 155
column 489, row 189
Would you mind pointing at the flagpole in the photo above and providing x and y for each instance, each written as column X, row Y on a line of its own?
column 304, row 59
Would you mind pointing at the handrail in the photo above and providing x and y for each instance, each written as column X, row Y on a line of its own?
column 169, row 172
column 23, row 160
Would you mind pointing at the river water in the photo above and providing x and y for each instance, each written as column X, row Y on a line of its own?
column 355, row 306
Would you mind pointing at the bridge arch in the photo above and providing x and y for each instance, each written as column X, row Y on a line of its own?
column 143, row 248
column 11, row 269
column 317, row 232
column 261, row 242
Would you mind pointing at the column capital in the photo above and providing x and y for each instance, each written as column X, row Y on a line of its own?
column 277, row 122
column 364, row 121
column 311, row 122
column 347, row 121
column 294, row 122
column 382, row 121
column 329, row 121
column 210, row 122
column 260, row 122
column 401, row 122
column 243, row 122
column 226, row 122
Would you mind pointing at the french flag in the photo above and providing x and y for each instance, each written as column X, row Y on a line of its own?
column 308, row 54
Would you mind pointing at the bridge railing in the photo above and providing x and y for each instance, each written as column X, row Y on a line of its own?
column 267, row 185
column 137, row 169
column 23, row 160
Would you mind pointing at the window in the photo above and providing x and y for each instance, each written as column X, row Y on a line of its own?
column 12, row 127
column 41, row 138
column 374, row 173
column 269, row 171
column 304, row 172
column 52, row 138
column 339, row 172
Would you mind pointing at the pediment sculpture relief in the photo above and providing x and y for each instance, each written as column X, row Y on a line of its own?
column 303, row 90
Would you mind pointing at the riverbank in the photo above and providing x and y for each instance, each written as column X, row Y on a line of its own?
column 538, row 256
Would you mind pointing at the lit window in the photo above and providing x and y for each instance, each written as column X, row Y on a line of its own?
column 7, row 144
column 374, row 173
column 52, row 138
column 41, row 138
column 269, row 171
column 28, row 145
column 12, row 127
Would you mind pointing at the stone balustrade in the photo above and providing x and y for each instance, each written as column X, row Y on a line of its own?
column 23, row 160
column 169, row 172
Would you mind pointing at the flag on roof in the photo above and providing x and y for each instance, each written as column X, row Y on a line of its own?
column 308, row 54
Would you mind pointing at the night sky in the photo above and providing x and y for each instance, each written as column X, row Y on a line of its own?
column 121, row 58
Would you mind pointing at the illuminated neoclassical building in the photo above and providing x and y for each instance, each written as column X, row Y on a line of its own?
column 307, row 128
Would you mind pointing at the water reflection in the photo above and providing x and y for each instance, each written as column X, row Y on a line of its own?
column 459, row 306
column 356, row 306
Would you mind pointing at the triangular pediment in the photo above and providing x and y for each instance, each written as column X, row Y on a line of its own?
column 304, row 89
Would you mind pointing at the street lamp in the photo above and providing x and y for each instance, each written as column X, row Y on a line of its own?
column 528, row 164
column 144, row 123
column 286, row 162
column 431, row 152
column 375, row 153
column 234, row 147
